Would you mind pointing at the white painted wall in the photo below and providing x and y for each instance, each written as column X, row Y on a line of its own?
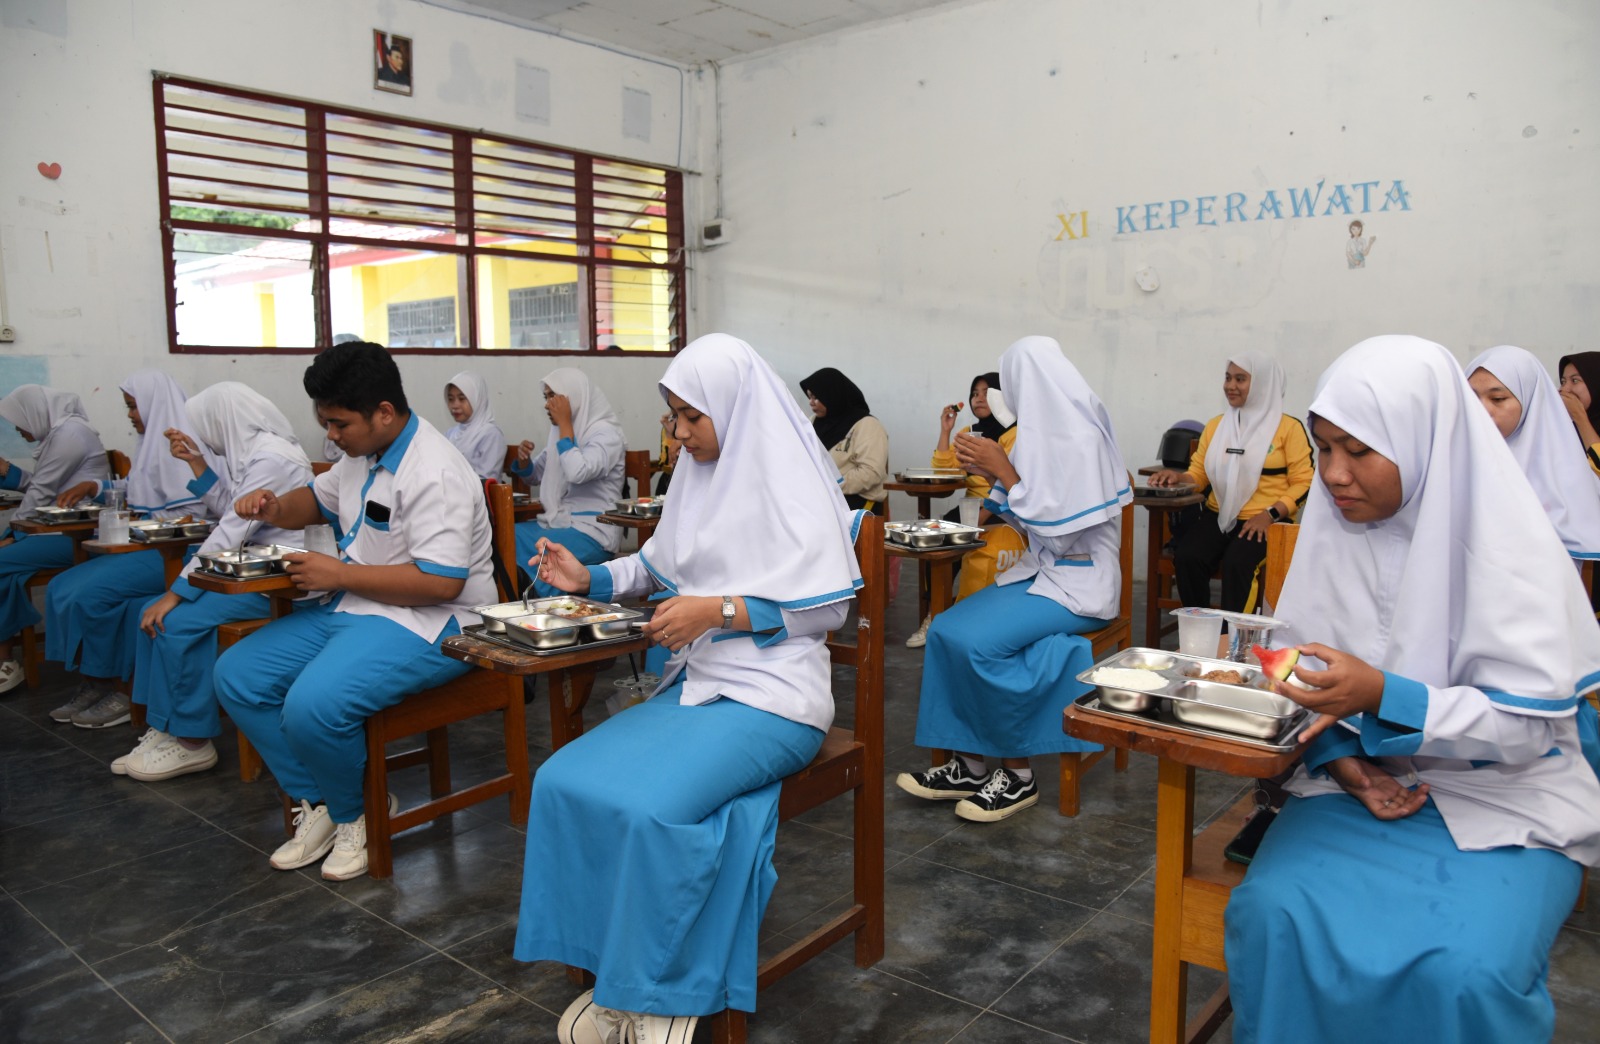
column 81, row 255
column 896, row 192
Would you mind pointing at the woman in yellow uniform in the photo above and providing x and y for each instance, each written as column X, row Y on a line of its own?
column 1254, row 465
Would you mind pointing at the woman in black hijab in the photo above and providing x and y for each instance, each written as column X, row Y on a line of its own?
column 1580, row 393
column 852, row 435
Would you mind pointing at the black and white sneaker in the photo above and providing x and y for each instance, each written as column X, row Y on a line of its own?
column 949, row 782
column 1001, row 795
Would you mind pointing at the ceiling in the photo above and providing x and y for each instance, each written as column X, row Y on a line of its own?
column 692, row 31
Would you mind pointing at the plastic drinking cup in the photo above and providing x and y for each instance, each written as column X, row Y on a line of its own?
column 116, row 499
column 320, row 540
column 969, row 508
column 113, row 527
column 1198, row 634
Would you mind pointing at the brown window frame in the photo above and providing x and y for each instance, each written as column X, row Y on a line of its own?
column 588, row 258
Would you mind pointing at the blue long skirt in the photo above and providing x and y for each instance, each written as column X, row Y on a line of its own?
column 92, row 612
column 999, row 671
column 1349, row 928
column 584, row 548
column 172, row 672
column 649, row 858
column 19, row 561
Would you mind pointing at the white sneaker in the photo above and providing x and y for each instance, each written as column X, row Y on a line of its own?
column 313, row 837
column 349, row 856
column 659, row 1029
column 151, row 738
column 168, row 760
column 11, row 675
column 919, row 637
column 585, row 1022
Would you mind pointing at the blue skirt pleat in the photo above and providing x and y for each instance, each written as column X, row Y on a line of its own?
column 649, row 856
column 92, row 612
column 1349, row 928
column 19, row 561
column 998, row 673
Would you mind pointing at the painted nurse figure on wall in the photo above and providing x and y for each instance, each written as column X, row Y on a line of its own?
column 1358, row 246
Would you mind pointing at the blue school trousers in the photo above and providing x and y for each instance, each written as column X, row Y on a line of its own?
column 1350, row 928
column 303, row 687
column 172, row 672
column 649, row 854
column 19, row 561
column 583, row 547
column 92, row 611
column 999, row 670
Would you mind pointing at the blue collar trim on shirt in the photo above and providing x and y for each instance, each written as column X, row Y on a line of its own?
column 390, row 458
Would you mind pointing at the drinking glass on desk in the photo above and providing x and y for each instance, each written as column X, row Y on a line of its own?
column 113, row 527
column 115, row 499
column 969, row 508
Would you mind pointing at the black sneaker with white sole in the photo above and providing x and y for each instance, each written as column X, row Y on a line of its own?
column 1001, row 795
column 949, row 782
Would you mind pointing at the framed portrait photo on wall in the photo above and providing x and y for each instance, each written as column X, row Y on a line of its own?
column 392, row 55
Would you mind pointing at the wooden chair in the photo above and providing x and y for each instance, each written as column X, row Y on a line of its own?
column 32, row 648
column 1118, row 634
column 636, row 469
column 429, row 713
column 1281, row 537
column 319, row 467
column 851, row 760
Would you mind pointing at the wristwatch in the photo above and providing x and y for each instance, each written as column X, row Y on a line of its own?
column 1273, row 511
column 727, row 611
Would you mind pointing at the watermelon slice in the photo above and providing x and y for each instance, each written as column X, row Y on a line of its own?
column 1277, row 663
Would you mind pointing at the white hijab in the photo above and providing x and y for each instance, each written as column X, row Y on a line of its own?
column 765, row 519
column 476, row 389
column 1234, row 476
column 1066, row 451
column 238, row 423
column 591, row 411
column 156, row 479
column 1543, row 445
column 1467, row 584
column 38, row 410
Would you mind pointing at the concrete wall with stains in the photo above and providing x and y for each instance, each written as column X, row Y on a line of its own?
column 902, row 194
column 82, row 259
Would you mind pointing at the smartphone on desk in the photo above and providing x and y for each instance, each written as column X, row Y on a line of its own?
column 1243, row 847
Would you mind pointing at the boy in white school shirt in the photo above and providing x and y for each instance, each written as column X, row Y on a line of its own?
column 414, row 546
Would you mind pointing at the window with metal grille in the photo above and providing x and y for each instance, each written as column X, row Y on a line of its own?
column 423, row 324
column 545, row 316
column 286, row 222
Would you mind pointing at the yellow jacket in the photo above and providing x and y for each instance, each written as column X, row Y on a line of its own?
column 977, row 485
column 1285, row 475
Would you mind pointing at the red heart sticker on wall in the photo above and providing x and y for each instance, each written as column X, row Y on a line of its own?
column 50, row 170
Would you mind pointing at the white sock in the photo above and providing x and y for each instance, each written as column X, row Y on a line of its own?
column 974, row 768
column 1025, row 775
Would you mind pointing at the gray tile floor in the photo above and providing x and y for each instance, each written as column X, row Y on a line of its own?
column 147, row 912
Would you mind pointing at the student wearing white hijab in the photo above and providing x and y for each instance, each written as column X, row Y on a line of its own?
column 475, row 433
column 1526, row 408
column 1254, row 466
column 175, row 646
column 92, row 610
column 1001, row 663
column 70, row 452
column 656, row 881
column 579, row 473
column 1412, row 888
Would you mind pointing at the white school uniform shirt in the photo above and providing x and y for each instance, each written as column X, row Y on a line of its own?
column 581, row 477
column 1465, row 597
column 419, row 502
column 479, row 439
column 1073, row 483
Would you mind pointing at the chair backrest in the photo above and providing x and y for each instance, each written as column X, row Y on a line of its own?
column 503, row 537
column 1125, row 558
column 1280, row 549
column 866, row 652
column 636, row 469
column 119, row 463
column 1587, row 572
column 319, row 467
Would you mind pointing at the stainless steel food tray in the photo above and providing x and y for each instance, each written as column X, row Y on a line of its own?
column 932, row 475
column 479, row 631
column 925, row 534
column 1284, row 741
column 598, row 620
column 55, row 516
column 148, row 532
column 1182, row 489
column 642, row 507
column 1246, row 708
column 235, row 564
